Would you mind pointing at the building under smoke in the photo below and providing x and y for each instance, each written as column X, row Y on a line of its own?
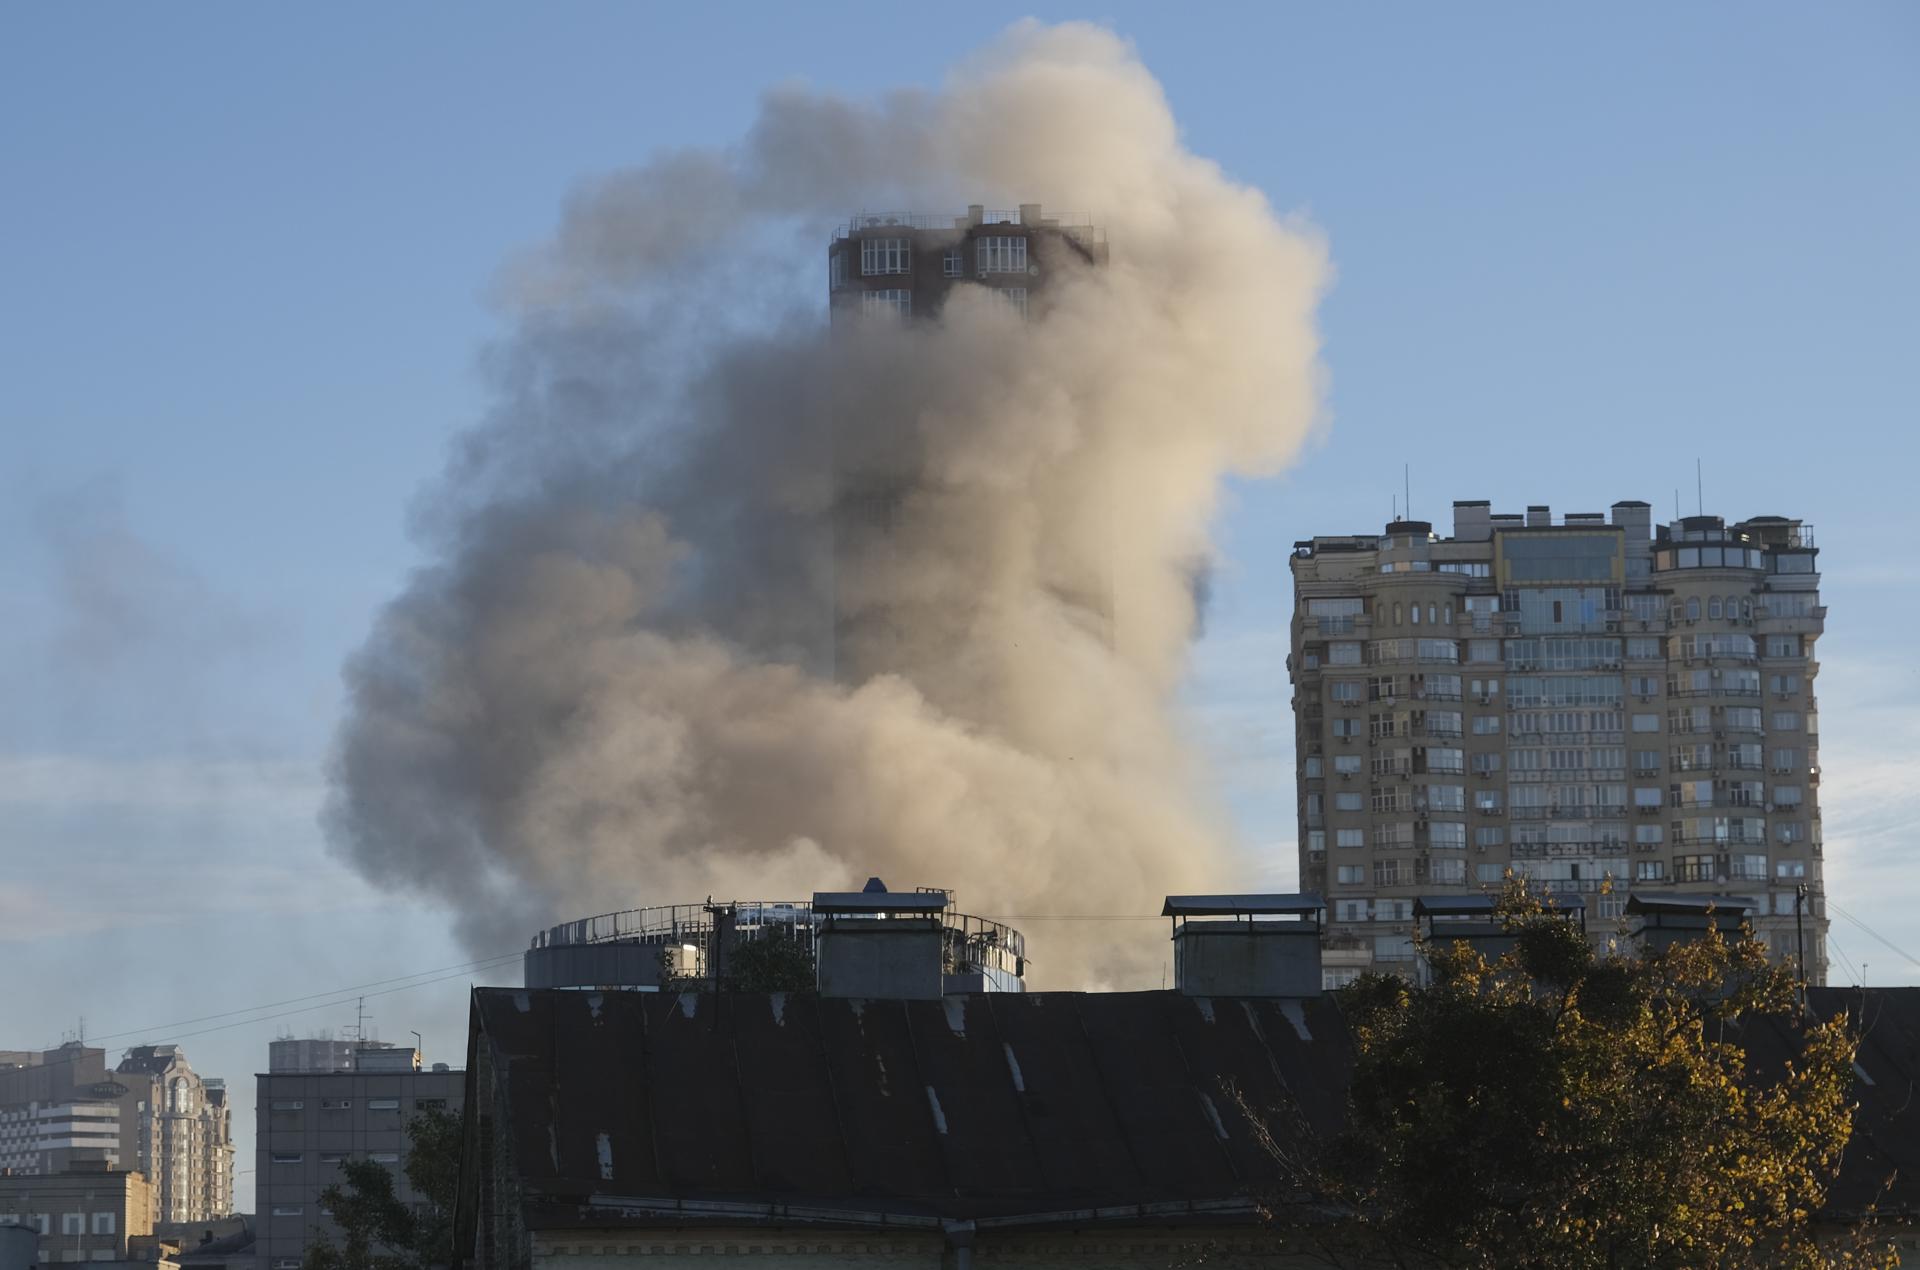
column 871, row 942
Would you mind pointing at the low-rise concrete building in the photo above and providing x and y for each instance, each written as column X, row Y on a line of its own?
column 86, row 1213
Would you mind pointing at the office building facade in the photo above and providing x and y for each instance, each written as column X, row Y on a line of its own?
column 311, row 1119
column 1595, row 703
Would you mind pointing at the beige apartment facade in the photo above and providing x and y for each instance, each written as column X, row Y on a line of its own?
column 1601, row 705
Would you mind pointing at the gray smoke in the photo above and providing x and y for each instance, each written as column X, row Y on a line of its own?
column 619, row 684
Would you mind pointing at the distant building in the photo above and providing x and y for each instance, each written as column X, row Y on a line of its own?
column 905, row 264
column 311, row 1119
column 87, row 1212
column 1607, row 707
column 152, row 1114
column 183, row 1132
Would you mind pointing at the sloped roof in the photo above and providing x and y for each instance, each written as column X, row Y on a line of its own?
column 979, row 1105
column 990, row 1106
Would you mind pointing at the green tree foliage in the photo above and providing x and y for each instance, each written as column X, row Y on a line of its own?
column 775, row 962
column 1558, row 1109
column 378, row 1231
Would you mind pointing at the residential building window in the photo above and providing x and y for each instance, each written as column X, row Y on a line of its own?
column 1749, row 867
column 1001, row 254
column 1343, row 653
column 1346, row 728
column 893, row 302
column 1393, row 948
column 333, row 1157
column 1789, row 831
column 1393, row 910
column 952, row 263
column 1483, row 650
column 1346, row 764
column 1351, row 874
column 837, row 270
column 1784, row 720
column 73, row 1223
column 1644, row 647
column 885, row 255
column 103, row 1223
column 1349, row 802
column 1484, row 873
column 1349, row 837
column 286, row 1210
column 335, row 1104
column 1349, row 910
column 1316, row 841
column 1783, row 645
column 1486, row 764
column 1786, row 796
column 1486, row 800
column 1489, row 836
column 1644, row 796
column 1446, row 798
column 286, row 1104
column 286, row 1157
column 1447, row 835
column 1387, row 873
column 1486, row 725
column 1017, row 297
column 1646, row 723
column 1333, row 978
column 384, row 1157
column 1344, row 691
column 1694, row 868
column 1311, row 769
column 383, row 1104
column 1790, row 869
column 1452, row 762
column 1439, row 650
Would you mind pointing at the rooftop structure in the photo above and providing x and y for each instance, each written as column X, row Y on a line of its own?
column 691, row 945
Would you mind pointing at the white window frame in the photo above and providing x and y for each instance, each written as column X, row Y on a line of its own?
column 1000, row 253
column 896, row 302
column 883, row 256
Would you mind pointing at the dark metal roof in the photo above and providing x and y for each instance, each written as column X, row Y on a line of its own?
column 1241, row 905
column 1481, row 905
column 986, row 1105
column 647, row 1109
column 1679, row 902
column 879, row 901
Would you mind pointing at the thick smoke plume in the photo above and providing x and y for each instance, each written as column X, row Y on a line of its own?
column 623, row 683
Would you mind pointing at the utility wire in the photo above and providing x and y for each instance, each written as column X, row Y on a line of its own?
column 1874, row 934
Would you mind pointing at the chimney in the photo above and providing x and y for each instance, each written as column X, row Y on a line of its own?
column 1472, row 521
column 878, row 944
column 1472, row 918
column 1539, row 516
column 1661, row 921
column 1246, row 945
column 1029, row 213
column 976, row 213
column 1636, row 518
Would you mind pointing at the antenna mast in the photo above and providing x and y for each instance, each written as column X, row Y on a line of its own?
column 1699, row 490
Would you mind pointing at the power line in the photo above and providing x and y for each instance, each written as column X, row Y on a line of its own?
column 274, row 1005
column 318, row 1000
column 1874, row 934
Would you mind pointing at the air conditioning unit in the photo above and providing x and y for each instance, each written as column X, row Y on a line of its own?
column 982, row 275
column 1346, row 776
column 1372, row 741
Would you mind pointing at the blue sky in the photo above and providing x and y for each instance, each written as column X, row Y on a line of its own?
column 246, row 265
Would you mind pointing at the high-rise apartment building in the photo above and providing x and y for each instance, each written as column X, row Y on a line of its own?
column 907, row 266
column 181, row 1129
column 1594, row 703
column 313, row 1114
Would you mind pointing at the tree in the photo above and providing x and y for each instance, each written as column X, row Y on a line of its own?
column 378, row 1231
column 775, row 962
column 1555, row 1108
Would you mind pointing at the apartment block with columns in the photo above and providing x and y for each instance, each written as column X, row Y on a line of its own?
column 1605, row 706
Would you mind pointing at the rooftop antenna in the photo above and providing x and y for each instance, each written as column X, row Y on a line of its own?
column 1699, row 494
column 1406, row 483
column 1676, row 502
